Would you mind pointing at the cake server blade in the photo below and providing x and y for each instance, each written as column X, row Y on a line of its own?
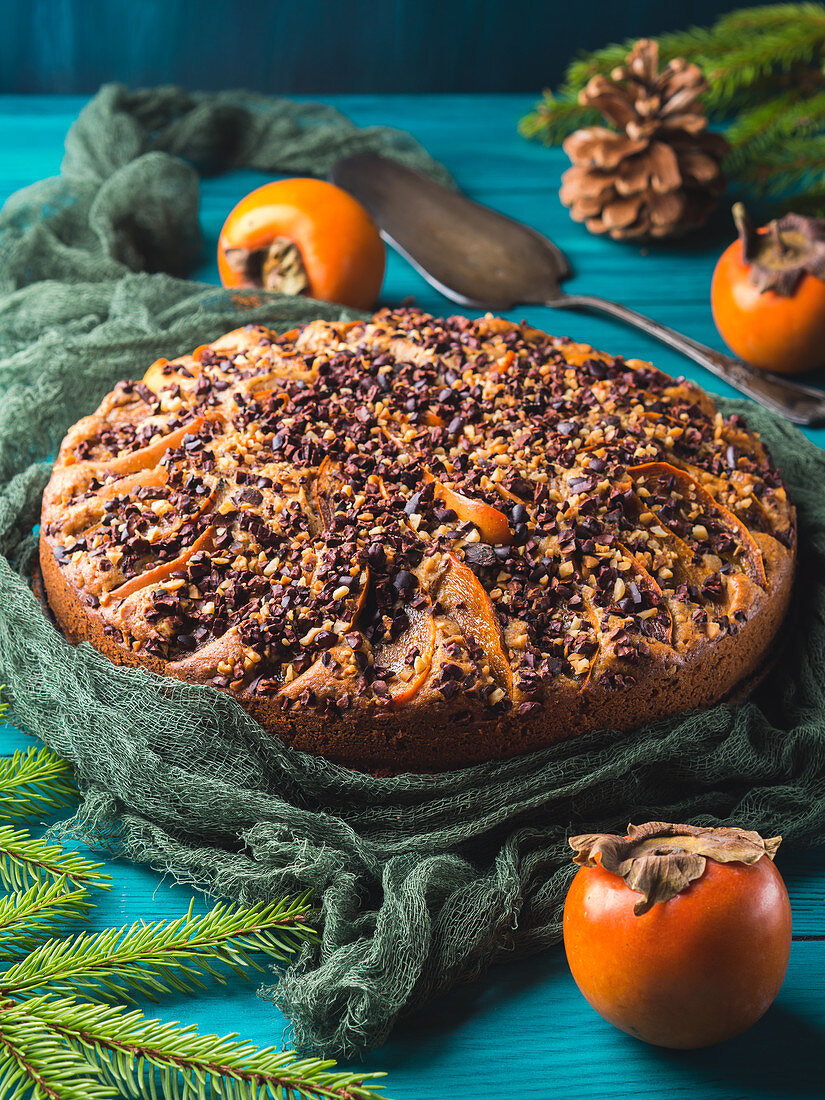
column 484, row 260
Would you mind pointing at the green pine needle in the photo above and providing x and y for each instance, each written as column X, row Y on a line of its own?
column 33, row 783
column 25, row 859
column 29, row 917
column 765, row 74
column 153, row 959
column 53, row 1047
column 799, row 164
column 556, row 116
column 36, row 1064
column 136, row 1053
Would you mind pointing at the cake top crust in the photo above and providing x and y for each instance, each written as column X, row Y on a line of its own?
column 367, row 514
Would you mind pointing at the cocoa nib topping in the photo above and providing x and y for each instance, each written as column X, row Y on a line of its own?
column 298, row 510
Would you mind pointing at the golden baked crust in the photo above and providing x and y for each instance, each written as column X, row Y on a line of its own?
column 414, row 544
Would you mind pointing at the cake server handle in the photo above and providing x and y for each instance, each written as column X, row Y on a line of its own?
column 799, row 403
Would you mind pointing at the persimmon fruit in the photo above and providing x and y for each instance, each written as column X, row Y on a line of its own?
column 420, row 635
column 700, row 963
column 492, row 523
column 463, row 596
column 768, row 293
column 303, row 236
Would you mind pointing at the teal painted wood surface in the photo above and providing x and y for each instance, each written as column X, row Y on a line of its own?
column 523, row 1030
column 320, row 45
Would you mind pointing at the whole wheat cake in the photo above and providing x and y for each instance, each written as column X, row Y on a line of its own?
column 414, row 543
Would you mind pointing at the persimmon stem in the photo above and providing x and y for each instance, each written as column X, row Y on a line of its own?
column 787, row 250
column 659, row 860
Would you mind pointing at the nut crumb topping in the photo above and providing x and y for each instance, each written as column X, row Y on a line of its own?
column 361, row 514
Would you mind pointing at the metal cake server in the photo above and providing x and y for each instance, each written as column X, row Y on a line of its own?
column 482, row 259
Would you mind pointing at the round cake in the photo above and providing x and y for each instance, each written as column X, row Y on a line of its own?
column 414, row 543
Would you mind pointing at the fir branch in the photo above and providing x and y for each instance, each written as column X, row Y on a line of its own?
column 766, row 63
column 25, row 859
column 27, row 918
column 555, row 117
column 54, row 1048
column 768, row 126
column 796, row 164
column 36, row 1064
column 150, row 959
column 741, row 48
column 757, row 46
column 137, row 1054
column 34, row 782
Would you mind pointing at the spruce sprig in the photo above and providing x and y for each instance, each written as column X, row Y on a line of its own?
column 25, row 859
column 54, row 1047
column 128, row 1049
column 37, row 1064
column 766, row 80
column 34, row 782
column 29, row 917
column 156, row 958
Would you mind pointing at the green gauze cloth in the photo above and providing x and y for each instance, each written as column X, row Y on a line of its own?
column 421, row 881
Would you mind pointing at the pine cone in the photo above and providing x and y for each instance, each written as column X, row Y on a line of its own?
column 658, row 174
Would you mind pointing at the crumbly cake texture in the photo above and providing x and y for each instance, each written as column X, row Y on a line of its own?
column 417, row 543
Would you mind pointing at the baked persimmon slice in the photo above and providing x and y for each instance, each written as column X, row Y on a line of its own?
column 463, row 597
column 729, row 495
column 688, row 509
column 328, row 482
column 159, row 572
column 592, row 619
column 263, row 395
column 150, row 478
column 514, row 497
column 502, row 364
column 318, row 676
column 492, row 524
column 149, row 456
column 361, row 598
column 156, row 379
column 83, row 514
column 641, row 596
column 409, row 657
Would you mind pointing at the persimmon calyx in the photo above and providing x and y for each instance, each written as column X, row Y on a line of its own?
column 279, row 266
column 794, row 246
column 660, row 860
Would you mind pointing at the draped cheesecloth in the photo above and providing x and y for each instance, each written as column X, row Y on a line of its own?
column 420, row 881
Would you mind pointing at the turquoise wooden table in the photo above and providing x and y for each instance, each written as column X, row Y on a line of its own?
column 524, row 1030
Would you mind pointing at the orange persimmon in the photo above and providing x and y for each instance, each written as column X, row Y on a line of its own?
column 677, row 934
column 492, row 524
column 303, row 236
column 768, row 293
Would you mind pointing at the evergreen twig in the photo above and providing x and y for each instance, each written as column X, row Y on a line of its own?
column 25, row 859
column 33, row 782
column 155, row 958
column 128, row 1048
column 766, row 79
column 29, row 917
column 53, row 1047
column 35, row 1063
